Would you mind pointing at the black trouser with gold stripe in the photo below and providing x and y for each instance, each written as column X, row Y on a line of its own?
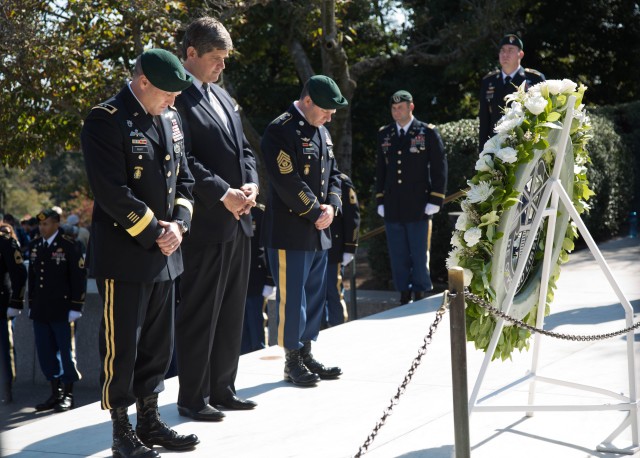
column 136, row 337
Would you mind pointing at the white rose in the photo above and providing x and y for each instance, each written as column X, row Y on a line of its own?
column 511, row 119
column 508, row 155
column 536, row 104
column 472, row 236
column 554, row 86
column 468, row 276
column 567, row 86
column 462, row 222
column 455, row 240
column 484, row 164
column 493, row 144
column 479, row 192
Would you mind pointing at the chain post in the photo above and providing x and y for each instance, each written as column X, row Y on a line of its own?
column 457, row 326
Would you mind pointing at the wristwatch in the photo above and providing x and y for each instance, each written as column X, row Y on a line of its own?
column 182, row 225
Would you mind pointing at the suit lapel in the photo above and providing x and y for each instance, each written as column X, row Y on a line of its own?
column 206, row 106
column 228, row 109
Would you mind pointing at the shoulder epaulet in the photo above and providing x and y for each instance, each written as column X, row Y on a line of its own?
column 431, row 126
column 531, row 70
column 385, row 127
column 106, row 107
column 490, row 74
column 68, row 237
column 283, row 118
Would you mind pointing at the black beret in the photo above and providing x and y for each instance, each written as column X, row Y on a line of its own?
column 325, row 93
column 401, row 96
column 48, row 213
column 164, row 70
column 511, row 39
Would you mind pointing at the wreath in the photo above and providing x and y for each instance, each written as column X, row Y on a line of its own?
column 523, row 135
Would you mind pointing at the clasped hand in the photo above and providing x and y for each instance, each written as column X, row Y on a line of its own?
column 326, row 217
column 171, row 237
column 240, row 201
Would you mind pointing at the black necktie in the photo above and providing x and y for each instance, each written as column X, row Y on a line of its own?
column 507, row 81
column 401, row 133
column 45, row 244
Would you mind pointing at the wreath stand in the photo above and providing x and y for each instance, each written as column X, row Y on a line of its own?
column 552, row 194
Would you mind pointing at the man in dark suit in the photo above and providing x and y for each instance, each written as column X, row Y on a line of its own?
column 134, row 154
column 498, row 84
column 304, row 196
column 411, row 178
column 217, row 252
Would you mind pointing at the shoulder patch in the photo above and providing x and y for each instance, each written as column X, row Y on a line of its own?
column 283, row 118
column 490, row 74
column 431, row 126
column 106, row 107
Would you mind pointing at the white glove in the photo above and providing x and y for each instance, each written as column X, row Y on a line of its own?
column 347, row 258
column 73, row 315
column 12, row 313
column 431, row 209
column 269, row 292
column 381, row 210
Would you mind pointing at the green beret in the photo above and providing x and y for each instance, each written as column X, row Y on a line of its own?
column 325, row 93
column 511, row 39
column 48, row 213
column 164, row 70
column 401, row 96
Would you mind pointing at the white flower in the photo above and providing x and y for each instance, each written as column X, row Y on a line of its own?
column 554, row 86
column 472, row 236
column 567, row 86
column 455, row 240
column 511, row 119
column 479, row 192
column 468, row 276
column 493, row 144
column 508, row 155
column 454, row 258
column 484, row 164
column 535, row 104
column 517, row 96
column 462, row 222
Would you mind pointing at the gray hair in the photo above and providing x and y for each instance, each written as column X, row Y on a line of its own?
column 206, row 34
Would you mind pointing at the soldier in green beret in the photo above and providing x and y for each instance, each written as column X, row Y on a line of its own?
column 497, row 84
column 303, row 198
column 135, row 158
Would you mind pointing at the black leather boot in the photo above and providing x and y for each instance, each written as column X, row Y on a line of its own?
column 405, row 297
column 325, row 373
column 153, row 431
column 296, row 372
column 56, row 396
column 66, row 400
column 125, row 442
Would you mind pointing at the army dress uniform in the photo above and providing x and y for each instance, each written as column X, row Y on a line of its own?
column 138, row 173
column 13, row 277
column 493, row 90
column 57, row 285
column 344, row 234
column 411, row 172
column 303, row 175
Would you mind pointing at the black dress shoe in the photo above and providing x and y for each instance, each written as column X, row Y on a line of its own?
column 207, row 413
column 235, row 403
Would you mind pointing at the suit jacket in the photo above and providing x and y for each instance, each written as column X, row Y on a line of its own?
column 57, row 278
column 410, row 172
column 493, row 90
column 13, row 275
column 138, row 176
column 346, row 225
column 303, row 174
column 218, row 160
column 259, row 273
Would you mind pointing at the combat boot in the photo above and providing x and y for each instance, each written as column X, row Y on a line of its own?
column 125, row 442
column 296, row 372
column 325, row 373
column 151, row 430
column 66, row 400
column 56, row 396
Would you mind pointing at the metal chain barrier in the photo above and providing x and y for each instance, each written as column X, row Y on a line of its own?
column 403, row 386
column 521, row 324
